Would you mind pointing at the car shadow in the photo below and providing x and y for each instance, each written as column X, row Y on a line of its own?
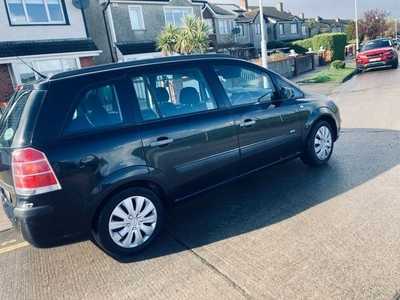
column 271, row 196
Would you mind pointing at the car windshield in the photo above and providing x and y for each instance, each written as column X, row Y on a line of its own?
column 375, row 44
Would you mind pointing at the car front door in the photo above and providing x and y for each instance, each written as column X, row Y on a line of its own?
column 190, row 143
column 269, row 128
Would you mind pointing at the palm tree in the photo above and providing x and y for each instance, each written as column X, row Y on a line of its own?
column 167, row 39
column 193, row 37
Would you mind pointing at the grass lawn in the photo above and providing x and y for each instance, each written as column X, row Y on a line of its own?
column 331, row 75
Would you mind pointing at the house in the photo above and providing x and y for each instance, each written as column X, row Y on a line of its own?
column 279, row 25
column 40, row 38
column 232, row 29
column 127, row 30
column 320, row 25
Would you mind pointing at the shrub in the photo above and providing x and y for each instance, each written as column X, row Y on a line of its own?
column 275, row 44
column 338, row 64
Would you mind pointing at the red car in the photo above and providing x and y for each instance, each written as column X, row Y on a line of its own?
column 377, row 54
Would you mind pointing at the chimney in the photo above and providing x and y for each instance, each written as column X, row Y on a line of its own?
column 301, row 16
column 317, row 18
column 244, row 5
column 279, row 6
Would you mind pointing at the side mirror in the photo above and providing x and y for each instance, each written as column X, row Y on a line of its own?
column 287, row 93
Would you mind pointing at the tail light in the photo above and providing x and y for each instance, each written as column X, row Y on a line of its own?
column 32, row 173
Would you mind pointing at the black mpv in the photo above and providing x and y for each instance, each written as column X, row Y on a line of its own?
column 103, row 150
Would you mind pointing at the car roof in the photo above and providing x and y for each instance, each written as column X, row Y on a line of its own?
column 143, row 62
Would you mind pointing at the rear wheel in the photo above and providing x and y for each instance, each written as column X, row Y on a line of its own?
column 129, row 222
column 319, row 146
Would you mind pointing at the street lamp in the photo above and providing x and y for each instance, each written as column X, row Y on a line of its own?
column 355, row 6
column 264, row 54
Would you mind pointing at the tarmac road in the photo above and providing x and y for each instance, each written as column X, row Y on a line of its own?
column 292, row 232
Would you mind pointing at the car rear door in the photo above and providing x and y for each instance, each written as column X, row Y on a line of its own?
column 193, row 145
column 269, row 128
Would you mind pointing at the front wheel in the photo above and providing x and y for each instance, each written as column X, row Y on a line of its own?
column 319, row 146
column 129, row 222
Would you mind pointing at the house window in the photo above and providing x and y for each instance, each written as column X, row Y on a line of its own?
column 241, row 28
column 136, row 16
column 223, row 26
column 24, row 73
column 175, row 15
column 281, row 29
column 210, row 25
column 304, row 30
column 35, row 11
column 293, row 28
column 257, row 29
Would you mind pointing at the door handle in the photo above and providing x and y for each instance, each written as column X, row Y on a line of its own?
column 160, row 142
column 247, row 123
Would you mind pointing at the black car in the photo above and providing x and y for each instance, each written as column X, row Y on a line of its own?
column 103, row 150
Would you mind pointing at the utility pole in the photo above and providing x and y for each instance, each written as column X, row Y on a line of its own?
column 264, row 53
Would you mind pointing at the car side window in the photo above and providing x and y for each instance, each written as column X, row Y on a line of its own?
column 173, row 93
column 97, row 108
column 244, row 85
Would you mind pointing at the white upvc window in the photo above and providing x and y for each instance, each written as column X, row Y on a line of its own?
column 136, row 17
column 35, row 12
column 210, row 25
column 175, row 15
column 257, row 28
column 304, row 29
column 24, row 73
column 293, row 28
column 281, row 29
column 223, row 26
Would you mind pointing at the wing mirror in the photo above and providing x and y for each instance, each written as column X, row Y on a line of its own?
column 287, row 93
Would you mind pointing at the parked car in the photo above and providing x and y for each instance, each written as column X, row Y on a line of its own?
column 377, row 54
column 103, row 150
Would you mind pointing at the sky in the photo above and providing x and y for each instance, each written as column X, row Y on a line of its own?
column 344, row 9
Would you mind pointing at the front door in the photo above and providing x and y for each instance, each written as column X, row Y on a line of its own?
column 268, row 128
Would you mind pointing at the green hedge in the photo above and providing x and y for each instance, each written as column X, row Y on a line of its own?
column 335, row 42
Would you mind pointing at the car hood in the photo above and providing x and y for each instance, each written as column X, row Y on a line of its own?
column 376, row 51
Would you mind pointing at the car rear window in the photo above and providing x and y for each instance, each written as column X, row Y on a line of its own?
column 11, row 119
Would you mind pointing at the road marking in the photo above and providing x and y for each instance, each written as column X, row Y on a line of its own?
column 13, row 247
column 9, row 242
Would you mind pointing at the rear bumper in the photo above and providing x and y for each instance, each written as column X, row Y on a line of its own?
column 41, row 226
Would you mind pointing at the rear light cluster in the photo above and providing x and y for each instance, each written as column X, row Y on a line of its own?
column 32, row 172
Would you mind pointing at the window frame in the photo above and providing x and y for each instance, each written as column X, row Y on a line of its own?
column 225, row 27
column 35, row 64
column 257, row 28
column 27, row 22
column 139, row 11
column 294, row 28
column 281, row 29
column 173, row 9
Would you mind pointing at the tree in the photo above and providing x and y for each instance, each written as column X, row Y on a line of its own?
column 191, row 38
column 374, row 24
column 167, row 39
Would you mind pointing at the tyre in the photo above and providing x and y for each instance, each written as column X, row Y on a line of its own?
column 319, row 146
column 395, row 65
column 129, row 222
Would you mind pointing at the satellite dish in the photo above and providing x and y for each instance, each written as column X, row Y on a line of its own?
column 236, row 30
column 80, row 4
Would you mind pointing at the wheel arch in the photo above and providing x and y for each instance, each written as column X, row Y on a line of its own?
column 325, row 114
column 114, row 184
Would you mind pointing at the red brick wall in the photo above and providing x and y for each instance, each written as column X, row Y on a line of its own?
column 6, row 86
column 86, row 61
